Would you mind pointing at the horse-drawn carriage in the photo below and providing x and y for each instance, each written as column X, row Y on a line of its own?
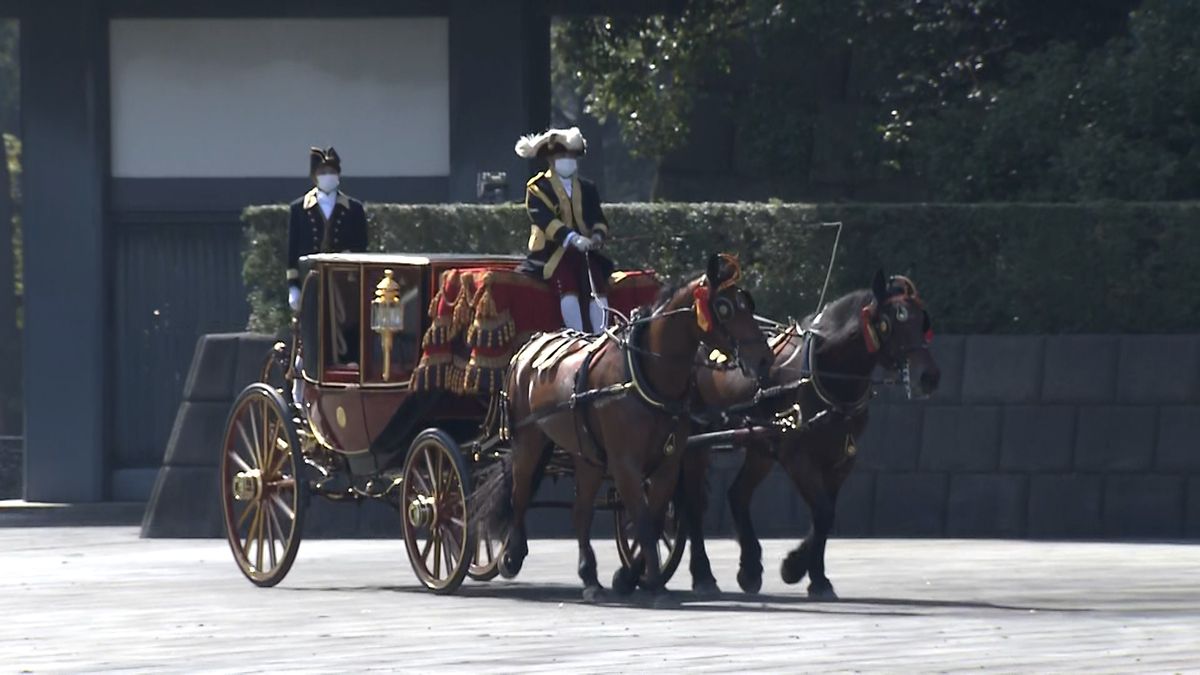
column 399, row 358
column 417, row 374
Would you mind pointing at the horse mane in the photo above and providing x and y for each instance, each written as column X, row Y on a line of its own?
column 840, row 318
column 667, row 292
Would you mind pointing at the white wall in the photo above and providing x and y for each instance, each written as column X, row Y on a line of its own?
column 201, row 98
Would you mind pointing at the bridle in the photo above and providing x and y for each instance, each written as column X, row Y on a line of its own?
column 712, row 312
column 877, row 327
column 877, row 332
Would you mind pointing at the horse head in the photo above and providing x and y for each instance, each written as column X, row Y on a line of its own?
column 897, row 326
column 725, row 316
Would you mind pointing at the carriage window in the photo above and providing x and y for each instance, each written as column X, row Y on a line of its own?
column 394, row 315
column 342, row 319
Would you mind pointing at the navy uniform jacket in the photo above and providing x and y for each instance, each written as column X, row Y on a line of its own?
column 309, row 232
column 553, row 215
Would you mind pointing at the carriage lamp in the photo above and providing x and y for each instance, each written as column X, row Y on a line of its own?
column 387, row 317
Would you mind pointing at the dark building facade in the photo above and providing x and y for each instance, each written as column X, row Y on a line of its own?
column 149, row 125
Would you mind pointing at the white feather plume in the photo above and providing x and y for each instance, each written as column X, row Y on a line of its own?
column 529, row 145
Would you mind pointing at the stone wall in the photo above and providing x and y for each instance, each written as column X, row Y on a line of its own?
column 1047, row 437
column 1062, row 436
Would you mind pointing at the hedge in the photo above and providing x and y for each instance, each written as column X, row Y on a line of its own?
column 982, row 268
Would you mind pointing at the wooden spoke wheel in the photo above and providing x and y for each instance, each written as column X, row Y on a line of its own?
column 263, row 490
column 433, row 507
column 486, row 563
column 671, row 541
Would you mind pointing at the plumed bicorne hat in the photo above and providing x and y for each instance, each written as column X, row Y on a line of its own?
column 318, row 158
column 550, row 142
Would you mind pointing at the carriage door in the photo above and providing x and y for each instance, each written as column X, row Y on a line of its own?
column 339, row 350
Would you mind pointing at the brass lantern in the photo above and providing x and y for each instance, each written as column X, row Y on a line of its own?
column 387, row 319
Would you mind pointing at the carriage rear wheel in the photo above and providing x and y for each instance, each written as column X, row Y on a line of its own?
column 263, row 490
column 486, row 563
column 433, row 507
column 671, row 541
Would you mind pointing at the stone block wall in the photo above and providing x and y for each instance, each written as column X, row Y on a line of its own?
column 1028, row 436
column 1038, row 436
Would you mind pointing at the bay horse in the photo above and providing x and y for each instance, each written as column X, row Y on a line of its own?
column 616, row 404
column 817, row 394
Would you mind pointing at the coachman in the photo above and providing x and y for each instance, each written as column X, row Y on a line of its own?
column 568, row 229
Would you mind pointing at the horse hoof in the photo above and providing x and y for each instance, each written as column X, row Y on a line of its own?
column 593, row 594
column 706, row 589
column 624, row 581
column 750, row 582
column 792, row 570
column 795, row 566
column 822, row 592
column 508, row 566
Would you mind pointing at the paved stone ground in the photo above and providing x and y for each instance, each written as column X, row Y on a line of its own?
column 102, row 599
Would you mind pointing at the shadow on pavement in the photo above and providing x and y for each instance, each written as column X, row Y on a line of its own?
column 689, row 601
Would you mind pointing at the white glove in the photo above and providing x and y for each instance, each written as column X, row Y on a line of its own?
column 294, row 298
column 581, row 244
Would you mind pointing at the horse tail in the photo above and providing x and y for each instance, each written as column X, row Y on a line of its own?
column 490, row 504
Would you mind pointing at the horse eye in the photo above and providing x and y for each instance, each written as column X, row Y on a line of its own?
column 902, row 313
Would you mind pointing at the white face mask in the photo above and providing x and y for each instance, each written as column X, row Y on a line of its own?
column 565, row 166
column 328, row 182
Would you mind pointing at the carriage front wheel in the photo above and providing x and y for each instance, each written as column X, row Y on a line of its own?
column 263, row 490
column 671, row 541
column 433, row 507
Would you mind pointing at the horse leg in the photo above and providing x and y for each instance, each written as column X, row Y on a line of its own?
column 527, row 456
column 755, row 468
column 588, row 480
column 660, row 492
column 693, row 504
column 629, row 486
column 819, row 488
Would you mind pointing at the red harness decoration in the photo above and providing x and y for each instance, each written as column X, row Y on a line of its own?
column 702, row 294
column 702, row 297
column 870, row 338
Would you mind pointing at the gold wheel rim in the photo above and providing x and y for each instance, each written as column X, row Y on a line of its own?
column 261, row 531
column 437, row 548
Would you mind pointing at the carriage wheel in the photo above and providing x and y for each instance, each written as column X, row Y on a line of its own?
column 486, row 563
column 263, row 490
column 433, row 508
column 275, row 369
column 671, row 542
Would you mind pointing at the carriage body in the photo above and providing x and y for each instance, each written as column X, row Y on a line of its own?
column 357, row 401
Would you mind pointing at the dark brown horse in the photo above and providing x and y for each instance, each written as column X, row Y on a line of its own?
column 618, row 405
column 816, row 397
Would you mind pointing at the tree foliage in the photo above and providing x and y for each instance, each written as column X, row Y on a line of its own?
column 1121, row 121
column 10, row 75
column 974, row 99
column 644, row 69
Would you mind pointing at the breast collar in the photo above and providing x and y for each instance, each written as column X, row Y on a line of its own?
column 809, row 370
column 637, row 378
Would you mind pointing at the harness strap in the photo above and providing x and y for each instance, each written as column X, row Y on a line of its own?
column 633, row 372
column 581, row 402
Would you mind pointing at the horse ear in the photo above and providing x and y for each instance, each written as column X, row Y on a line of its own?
column 713, row 273
column 880, row 285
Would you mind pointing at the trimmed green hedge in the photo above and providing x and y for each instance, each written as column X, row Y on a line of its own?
column 983, row 268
